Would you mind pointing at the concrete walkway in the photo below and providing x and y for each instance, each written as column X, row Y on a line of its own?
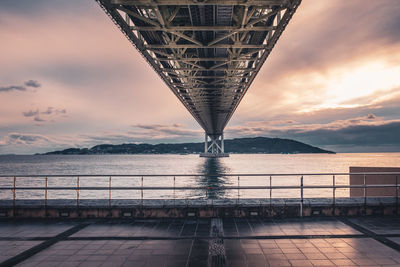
column 360, row 241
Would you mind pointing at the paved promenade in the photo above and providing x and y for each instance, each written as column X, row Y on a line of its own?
column 361, row 241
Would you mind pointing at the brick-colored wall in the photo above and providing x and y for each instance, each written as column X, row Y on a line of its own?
column 373, row 179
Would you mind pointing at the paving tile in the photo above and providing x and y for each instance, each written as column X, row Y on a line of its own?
column 233, row 263
column 9, row 249
column 301, row 263
column 315, row 256
column 379, row 225
column 175, row 263
column 142, row 252
column 309, row 250
column 258, row 264
column 113, row 263
column 364, row 261
column 354, row 255
column 33, row 229
column 91, row 264
column 343, row 262
column 134, row 263
column 50, row 263
column 235, row 256
column 271, row 250
column 295, row 256
column 69, row 264
column 255, row 251
column 97, row 258
column 329, row 250
column 279, row 263
column 290, row 250
column 322, row 263
column 197, row 263
column 384, row 261
column 154, row 263
column 269, row 245
column 277, row 256
column 336, row 255
column 86, row 252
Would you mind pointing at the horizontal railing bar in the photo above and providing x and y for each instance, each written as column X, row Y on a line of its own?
column 77, row 178
column 207, row 175
column 199, row 187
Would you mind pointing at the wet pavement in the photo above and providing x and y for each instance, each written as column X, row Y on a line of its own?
column 360, row 241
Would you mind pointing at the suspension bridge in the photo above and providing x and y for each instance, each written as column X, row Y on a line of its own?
column 208, row 52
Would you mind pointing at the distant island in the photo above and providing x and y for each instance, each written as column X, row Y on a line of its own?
column 262, row 145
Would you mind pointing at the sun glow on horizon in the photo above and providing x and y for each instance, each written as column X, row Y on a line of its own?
column 342, row 87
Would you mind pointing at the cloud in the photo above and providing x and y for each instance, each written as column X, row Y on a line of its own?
column 338, row 35
column 61, row 111
column 338, row 59
column 12, row 88
column 143, row 133
column 51, row 110
column 362, row 131
column 38, row 119
column 259, row 127
column 48, row 112
column 24, row 139
column 386, row 133
column 177, row 130
column 32, row 83
column 31, row 113
column 38, row 8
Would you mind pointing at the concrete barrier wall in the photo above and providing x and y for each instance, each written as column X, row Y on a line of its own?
column 276, row 211
column 373, row 179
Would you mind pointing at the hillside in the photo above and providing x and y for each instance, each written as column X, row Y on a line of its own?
column 237, row 145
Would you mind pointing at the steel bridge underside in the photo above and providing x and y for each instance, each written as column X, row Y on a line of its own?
column 208, row 52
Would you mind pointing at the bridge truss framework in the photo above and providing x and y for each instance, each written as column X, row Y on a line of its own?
column 208, row 52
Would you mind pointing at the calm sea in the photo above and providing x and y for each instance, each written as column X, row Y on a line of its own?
column 185, row 164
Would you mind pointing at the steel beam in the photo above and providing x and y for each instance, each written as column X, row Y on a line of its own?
column 200, row 3
column 203, row 28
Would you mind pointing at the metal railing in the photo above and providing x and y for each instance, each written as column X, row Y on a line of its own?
column 110, row 188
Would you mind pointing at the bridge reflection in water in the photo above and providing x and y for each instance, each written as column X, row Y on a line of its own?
column 214, row 178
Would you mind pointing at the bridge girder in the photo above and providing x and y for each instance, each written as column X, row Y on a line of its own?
column 207, row 52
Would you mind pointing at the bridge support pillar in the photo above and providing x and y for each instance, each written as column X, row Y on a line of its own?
column 216, row 148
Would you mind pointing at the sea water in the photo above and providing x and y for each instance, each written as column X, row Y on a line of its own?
column 237, row 165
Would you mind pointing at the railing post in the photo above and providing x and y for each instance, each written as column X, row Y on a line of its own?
column 397, row 195
column 15, row 193
column 141, row 198
column 365, row 193
column 270, row 195
column 174, row 192
column 46, row 192
column 301, row 199
column 78, row 184
column 109, row 192
column 238, row 193
column 334, row 194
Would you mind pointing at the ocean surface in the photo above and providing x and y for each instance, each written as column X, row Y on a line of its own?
column 240, row 164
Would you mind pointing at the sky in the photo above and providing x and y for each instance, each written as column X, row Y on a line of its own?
column 70, row 78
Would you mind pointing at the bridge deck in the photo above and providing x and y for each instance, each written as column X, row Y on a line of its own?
column 207, row 52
